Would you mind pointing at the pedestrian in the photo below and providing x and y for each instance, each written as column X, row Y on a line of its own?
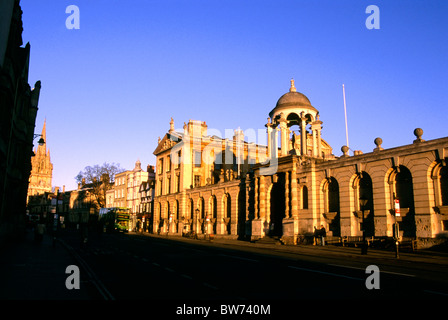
column 39, row 232
column 316, row 236
column 323, row 234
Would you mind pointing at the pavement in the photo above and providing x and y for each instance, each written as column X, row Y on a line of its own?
column 37, row 271
column 422, row 256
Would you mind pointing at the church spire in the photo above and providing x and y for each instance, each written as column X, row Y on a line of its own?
column 44, row 130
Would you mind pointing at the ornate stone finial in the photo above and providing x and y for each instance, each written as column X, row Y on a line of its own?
column 293, row 88
column 345, row 149
column 378, row 142
column 418, row 133
column 171, row 125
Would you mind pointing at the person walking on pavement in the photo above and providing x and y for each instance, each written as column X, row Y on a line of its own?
column 323, row 234
column 39, row 232
column 316, row 236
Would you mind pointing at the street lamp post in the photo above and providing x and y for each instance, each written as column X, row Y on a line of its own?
column 363, row 203
column 396, row 226
column 41, row 141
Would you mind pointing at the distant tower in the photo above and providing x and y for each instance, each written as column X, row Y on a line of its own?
column 42, row 169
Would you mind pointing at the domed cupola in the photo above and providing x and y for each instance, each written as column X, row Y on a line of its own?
column 293, row 102
column 294, row 108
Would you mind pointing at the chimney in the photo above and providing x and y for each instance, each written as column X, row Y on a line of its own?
column 196, row 128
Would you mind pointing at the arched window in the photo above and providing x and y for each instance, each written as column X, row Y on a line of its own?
column 304, row 197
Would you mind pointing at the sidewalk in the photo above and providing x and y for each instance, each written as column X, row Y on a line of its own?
column 421, row 256
column 36, row 271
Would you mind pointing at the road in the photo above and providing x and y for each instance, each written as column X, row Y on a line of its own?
column 130, row 266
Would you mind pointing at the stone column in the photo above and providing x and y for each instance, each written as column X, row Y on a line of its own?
column 291, row 222
column 262, row 203
column 275, row 143
column 284, row 137
column 287, row 208
column 303, row 151
column 258, row 228
column 318, row 128
column 256, row 198
column 294, row 195
column 270, row 137
column 248, row 223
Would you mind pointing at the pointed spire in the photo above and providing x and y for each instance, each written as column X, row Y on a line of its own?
column 44, row 130
column 293, row 88
column 42, row 147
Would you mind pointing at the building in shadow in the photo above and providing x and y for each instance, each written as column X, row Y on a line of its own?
column 18, row 110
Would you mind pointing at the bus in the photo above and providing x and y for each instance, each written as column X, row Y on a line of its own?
column 115, row 219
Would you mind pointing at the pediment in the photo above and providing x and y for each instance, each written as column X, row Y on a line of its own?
column 168, row 141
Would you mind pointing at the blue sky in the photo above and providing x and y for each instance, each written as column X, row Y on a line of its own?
column 110, row 87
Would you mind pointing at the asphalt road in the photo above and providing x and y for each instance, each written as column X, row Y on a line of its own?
column 130, row 266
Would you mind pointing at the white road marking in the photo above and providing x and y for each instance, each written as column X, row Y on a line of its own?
column 323, row 272
column 358, row 268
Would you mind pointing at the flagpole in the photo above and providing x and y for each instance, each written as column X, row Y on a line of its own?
column 345, row 113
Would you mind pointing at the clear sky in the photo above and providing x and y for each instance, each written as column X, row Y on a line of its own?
column 110, row 87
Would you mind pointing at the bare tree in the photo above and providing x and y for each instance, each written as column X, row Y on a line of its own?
column 99, row 179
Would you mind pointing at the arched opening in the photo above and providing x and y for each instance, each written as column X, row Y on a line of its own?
column 241, row 213
column 201, row 215
column 304, row 197
column 227, row 202
column 444, row 185
column 294, row 125
column 191, row 210
column 213, row 214
column 176, row 216
column 439, row 176
column 402, row 188
column 277, row 205
column 293, row 119
column 332, row 208
column 168, row 217
column 188, row 219
column 159, row 220
column 363, row 185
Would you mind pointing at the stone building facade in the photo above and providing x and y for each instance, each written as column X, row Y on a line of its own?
column 18, row 110
column 132, row 189
column 127, row 187
column 295, row 183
